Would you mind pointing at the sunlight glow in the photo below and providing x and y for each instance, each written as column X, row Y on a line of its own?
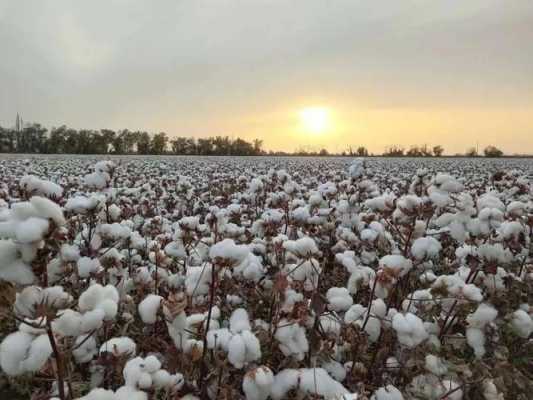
column 314, row 119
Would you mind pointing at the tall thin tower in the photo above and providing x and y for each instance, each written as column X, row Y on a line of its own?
column 18, row 123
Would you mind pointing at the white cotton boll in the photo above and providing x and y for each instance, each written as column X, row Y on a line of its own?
column 339, row 299
column 38, row 353
column 87, row 266
column 144, row 381
column 100, row 297
column 70, row 253
column 13, row 269
column 253, row 346
column 46, row 208
column 81, row 204
column 284, row 381
column 483, row 315
column 388, row 392
column 410, row 329
column 335, row 369
column 239, row 321
column 398, row 264
column 99, row 394
column 522, row 323
column 119, row 346
column 35, row 185
column 149, row 307
column 152, row 364
column 161, row 379
column 219, row 338
column 68, row 324
column 32, row 230
column 435, row 365
column 292, row 339
column 475, row 338
column 257, row 383
column 13, row 351
column 130, row 393
column 425, row 248
column 85, row 352
column 114, row 212
column 354, row 313
column 303, row 247
column 92, row 320
column 237, row 351
column 229, row 251
column 490, row 391
column 318, row 381
column 449, row 386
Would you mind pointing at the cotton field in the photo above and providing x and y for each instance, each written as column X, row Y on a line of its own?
column 257, row 278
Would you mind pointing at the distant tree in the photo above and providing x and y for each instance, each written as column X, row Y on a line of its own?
column 471, row 152
column 414, row 151
column 258, row 144
column 394, row 151
column 159, row 143
column 361, row 151
column 323, row 153
column 143, row 143
column 492, row 151
column 438, row 151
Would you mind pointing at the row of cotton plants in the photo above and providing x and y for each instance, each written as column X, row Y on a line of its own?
column 266, row 279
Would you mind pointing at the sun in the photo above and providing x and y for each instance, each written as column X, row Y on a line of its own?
column 314, row 119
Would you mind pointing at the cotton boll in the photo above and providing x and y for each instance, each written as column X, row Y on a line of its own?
column 410, row 329
column 292, row 339
column 435, row 365
column 31, row 230
column 522, row 323
column 85, row 349
column 318, row 381
column 257, row 383
column 38, row 353
column 237, row 351
column 425, row 248
column 119, row 346
column 284, row 381
column 47, row 209
column 239, row 321
column 476, row 339
column 149, row 307
column 87, row 266
column 100, row 297
column 339, row 299
column 13, row 351
column 129, row 393
column 99, row 394
column 388, row 392
column 68, row 324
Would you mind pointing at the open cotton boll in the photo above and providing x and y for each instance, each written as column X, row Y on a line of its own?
column 357, row 168
column 69, row 323
column 230, row 252
column 410, row 329
column 318, row 381
column 522, row 323
column 292, row 339
column 388, row 392
column 46, row 208
column 339, row 299
column 100, row 297
column 12, row 268
column 149, row 307
column 475, row 335
column 303, row 247
column 239, row 321
column 435, row 365
column 13, row 351
column 38, row 353
column 31, row 230
column 99, row 394
column 119, row 346
column 87, row 266
column 257, row 383
column 35, row 185
column 85, row 349
column 130, row 393
column 425, row 248
column 82, row 204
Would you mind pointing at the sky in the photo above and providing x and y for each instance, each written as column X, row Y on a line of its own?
column 452, row 72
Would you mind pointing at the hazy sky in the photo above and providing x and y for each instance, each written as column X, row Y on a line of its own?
column 389, row 72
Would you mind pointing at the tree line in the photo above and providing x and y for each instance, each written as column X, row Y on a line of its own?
column 34, row 138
